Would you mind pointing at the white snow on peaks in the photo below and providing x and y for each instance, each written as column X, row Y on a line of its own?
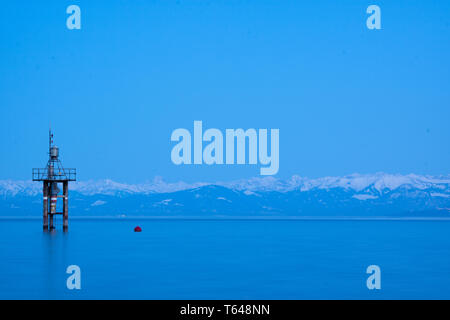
column 442, row 195
column 368, row 184
column 377, row 182
column 364, row 196
column 98, row 203
column 16, row 187
column 109, row 187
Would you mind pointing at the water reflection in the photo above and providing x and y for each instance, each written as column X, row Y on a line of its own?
column 55, row 247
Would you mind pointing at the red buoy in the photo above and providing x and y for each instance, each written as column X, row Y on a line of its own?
column 137, row 229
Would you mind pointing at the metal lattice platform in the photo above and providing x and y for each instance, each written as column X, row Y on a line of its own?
column 43, row 174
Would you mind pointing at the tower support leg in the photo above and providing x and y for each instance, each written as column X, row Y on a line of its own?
column 66, row 206
column 45, row 205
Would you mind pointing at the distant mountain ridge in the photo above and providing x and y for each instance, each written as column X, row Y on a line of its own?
column 353, row 195
column 357, row 182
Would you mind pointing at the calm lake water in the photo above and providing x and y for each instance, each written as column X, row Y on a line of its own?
column 182, row 259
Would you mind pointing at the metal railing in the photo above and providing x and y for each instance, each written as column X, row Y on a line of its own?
column 41, row 174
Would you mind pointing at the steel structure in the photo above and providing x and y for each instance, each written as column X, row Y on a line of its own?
column 51, row 176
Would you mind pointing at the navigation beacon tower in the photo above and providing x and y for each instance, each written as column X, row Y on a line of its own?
column 51, row 176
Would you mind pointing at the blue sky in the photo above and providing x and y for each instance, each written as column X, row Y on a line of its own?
column 346, row 99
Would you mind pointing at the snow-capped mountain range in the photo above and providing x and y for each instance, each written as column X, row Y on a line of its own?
column 357, row 194
column 375, row 183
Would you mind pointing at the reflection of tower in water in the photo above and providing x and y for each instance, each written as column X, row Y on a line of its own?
column 51, row 176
